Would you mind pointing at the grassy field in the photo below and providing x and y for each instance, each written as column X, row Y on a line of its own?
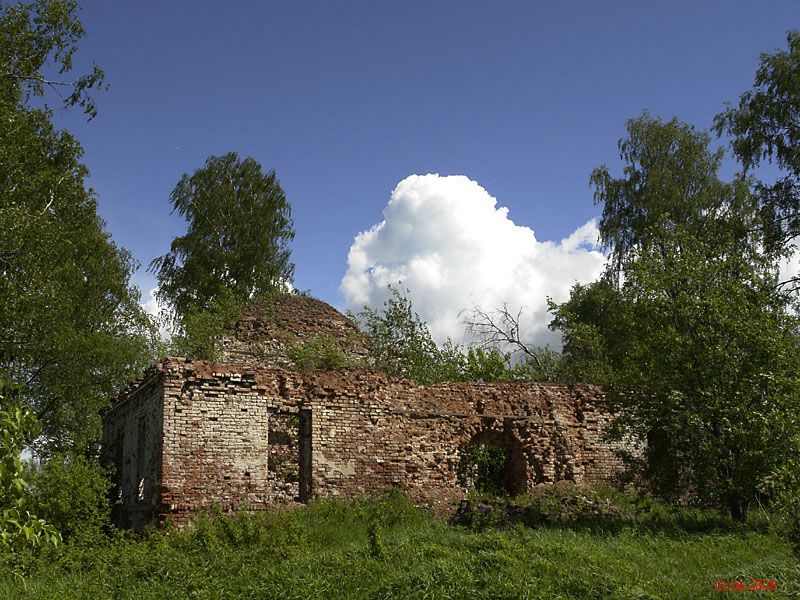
column 385, row 548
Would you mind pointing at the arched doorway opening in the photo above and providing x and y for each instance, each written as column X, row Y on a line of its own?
column 493, row 462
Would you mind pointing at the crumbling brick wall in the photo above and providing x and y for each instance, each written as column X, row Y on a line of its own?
column 266, row 328
column 241, row 436
column 372, row 433
column 132, row 445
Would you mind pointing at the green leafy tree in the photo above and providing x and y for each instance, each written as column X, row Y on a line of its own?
column 236, row 244
column 20, row 530
column 487, row 365
column 402, row 344
column 492, row 364
column 592, row 322
column 35, row 36
column 72, row 494
column 199, row 333
column 72, row 332
column 320, row 352
column 765, row 126
column 482, row 468
column 687, row 327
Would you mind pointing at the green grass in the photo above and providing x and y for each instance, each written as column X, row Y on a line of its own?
column 385, row 548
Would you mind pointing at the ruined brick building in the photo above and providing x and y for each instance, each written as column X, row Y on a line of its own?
column 249, row 432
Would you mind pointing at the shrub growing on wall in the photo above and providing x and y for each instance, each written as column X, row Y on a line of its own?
column 319, row 352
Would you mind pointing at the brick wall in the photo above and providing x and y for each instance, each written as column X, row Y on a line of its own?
column 132, row 446
column 267, row 327
column 238, row 435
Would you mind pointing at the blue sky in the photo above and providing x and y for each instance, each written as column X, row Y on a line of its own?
column 346, row 99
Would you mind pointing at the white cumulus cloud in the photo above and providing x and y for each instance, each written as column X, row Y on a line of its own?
column 151, row 305
column 790, row 266
column 153, row 308
column 447, row 241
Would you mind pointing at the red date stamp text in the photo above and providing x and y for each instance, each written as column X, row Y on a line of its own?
column 745, row 585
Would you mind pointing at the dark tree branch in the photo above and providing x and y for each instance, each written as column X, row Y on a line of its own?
column 54, row 85
column 500, row 327
column 39, row 79
column 793, row 285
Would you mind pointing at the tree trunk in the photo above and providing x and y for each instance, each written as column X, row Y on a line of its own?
column 738, row 510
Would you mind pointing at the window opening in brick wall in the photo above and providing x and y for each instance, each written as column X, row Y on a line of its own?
column 289, row 455
column 119, row 456
column 283, row 455
column 493, row 462
column 141, row 463
column 305, row 492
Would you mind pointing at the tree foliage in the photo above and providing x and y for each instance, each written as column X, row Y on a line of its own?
column 20, row 529
column 482, row 468
column 499, row 329
column 687, row 326
column 38, row 37
column 670, row 200
column 71, row 328
column 765, row 126
column 486, row 365
column 71, row 492
column 319, row 352
column 402, row 344
column 199, row 333
column 590, row 322
column 236, row 243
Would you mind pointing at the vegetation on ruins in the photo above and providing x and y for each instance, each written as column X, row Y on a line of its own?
column 235, row 250
column 482, row 468
column 498, row 332
column 319, row 352
column 402, row 345
column 198, row 333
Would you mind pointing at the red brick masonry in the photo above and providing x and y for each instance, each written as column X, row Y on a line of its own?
column 189, row 434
